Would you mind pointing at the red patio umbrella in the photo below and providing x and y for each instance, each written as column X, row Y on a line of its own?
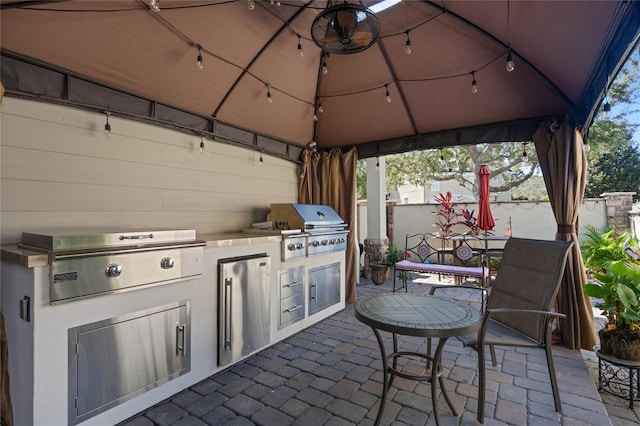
column 485, row 218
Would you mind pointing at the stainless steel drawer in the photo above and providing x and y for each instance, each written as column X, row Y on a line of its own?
column 291, row 282
column 291, row 310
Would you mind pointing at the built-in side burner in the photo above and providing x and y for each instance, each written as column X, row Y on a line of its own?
column 90, row 264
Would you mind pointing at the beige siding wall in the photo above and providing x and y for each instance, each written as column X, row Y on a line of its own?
column 59, row 171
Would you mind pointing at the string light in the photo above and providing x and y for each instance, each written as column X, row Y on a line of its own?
column 377, row 163
column 407, row 46
column 154, row 5
column 320, row 109
column 300, row 52
column 510, row 65
column 201, row 144
column 325, row 70
column 269, row 94
column 474, row 83
column 524, row 151
column 107, row 126
column 388, row 96
column 251, row 4
column 199, row 64
column 261, row 159
column 441, row 156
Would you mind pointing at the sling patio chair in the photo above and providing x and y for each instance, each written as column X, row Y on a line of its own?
column 519, row 305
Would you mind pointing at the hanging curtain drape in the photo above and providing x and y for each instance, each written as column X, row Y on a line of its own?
column 330, row 178
column 564, row 165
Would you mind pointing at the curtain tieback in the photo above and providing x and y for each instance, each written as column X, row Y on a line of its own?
column 566, row 229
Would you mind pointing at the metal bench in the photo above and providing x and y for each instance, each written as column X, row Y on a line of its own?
column 428, row 253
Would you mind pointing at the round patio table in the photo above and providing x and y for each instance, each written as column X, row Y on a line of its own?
column 415, row 315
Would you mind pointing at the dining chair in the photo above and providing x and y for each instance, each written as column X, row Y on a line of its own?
column 519, row 306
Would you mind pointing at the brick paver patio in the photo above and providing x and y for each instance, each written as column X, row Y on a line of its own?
column 330, row 374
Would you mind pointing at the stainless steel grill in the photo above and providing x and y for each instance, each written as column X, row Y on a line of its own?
column 90, row 264
column 321, row 229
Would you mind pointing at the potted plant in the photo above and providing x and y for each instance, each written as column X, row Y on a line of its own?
column 619, row 290
column 380, row 271
column 615, row 281
column 446, row 213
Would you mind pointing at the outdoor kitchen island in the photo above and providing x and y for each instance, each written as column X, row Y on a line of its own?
column 45, row 385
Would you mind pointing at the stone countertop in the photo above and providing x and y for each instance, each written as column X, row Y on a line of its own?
column 30, row 258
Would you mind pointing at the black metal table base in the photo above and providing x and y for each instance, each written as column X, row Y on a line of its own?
column 389, row 372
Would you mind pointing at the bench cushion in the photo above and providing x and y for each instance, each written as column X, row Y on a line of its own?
column 437, row 268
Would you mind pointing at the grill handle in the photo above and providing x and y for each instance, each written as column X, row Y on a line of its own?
column 136, row 237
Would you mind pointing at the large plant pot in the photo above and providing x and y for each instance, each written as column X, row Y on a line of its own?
column 379, row 273
column 621, row 343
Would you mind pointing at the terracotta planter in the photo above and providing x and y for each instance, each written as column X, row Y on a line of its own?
column 379, row 273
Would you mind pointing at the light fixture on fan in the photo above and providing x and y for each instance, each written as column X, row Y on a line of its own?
column 345, row 28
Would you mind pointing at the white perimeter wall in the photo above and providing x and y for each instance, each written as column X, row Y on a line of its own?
column 59, row 171
column 528, row 219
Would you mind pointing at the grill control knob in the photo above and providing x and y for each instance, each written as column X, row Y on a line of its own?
column 315, row 243
column 291, row 246
column 113, row 270
column 324, row 242
column 332, row 241
column 167, row 263
column 299, row 246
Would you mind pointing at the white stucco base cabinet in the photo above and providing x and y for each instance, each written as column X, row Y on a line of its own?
column 45, row 367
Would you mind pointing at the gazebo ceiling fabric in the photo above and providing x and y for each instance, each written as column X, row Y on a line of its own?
column 564, row 54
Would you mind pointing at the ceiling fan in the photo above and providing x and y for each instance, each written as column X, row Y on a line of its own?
column 345, row 28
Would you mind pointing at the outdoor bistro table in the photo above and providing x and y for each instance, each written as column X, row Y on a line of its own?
column 415, row 315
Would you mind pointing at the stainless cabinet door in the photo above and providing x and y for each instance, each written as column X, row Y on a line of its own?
column 324, row 287
column 114, row 360
column 244, row 307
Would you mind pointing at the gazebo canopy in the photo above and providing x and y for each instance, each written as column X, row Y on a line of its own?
column 122, row 57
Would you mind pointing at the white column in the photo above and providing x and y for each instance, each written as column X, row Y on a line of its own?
column 376, row 199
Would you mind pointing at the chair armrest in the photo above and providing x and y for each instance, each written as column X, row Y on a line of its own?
column 524, row 311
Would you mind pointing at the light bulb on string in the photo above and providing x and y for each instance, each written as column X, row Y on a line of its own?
column 201, row 144
column 377, row 163
column 154, row 5
column 441, row 156
column 300, row 52
column 315, row 117
column 199, row 61
column 407, row 46
column 387, row 95
column 251, row 4
column 261, row 159
column 325, row 70
column 269, row 94
column 107, row 126
column 510, row 65
column 524, row 151
column 474, row 83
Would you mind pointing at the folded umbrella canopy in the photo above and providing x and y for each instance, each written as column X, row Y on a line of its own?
column 485, row 218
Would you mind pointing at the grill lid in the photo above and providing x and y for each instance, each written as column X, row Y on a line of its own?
column 305, row 216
